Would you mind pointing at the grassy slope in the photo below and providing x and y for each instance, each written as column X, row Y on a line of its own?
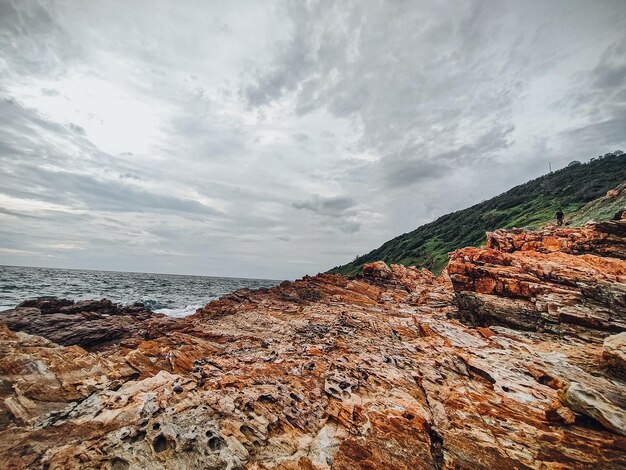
column 603, row 208
column 529, row 205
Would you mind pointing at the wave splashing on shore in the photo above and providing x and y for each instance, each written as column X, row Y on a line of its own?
column 170, row 294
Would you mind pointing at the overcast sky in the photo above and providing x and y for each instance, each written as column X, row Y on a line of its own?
column 274, row 139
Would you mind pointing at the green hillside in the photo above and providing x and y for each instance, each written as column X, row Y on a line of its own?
column 603, row 208
column 529, row 205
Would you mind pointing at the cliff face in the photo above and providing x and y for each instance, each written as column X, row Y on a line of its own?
column 565, row 280
column 511, row 360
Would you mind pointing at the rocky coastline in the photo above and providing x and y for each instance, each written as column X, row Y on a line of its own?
column 513, row 358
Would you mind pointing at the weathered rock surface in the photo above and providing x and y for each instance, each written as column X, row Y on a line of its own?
column 601, row 239
column 593, row 403
column 614, row 352
column 326, row 372
column 546, row 281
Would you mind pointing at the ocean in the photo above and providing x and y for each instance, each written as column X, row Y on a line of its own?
column 171, row 294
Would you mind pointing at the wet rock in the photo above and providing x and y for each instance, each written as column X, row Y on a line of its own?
column 90, row 324
column 46, row 304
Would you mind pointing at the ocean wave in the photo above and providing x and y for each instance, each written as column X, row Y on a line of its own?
column 171, row 294
column 155, row 305
column 178, row 312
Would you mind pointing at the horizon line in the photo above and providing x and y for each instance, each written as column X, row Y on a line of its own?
column 137, row 272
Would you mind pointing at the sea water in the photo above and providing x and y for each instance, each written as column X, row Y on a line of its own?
column 171, row 294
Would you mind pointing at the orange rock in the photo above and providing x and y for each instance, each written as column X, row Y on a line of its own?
column 558, row 413
column 552, row 244
column 423, row 328
column 485, row 285
column 612, row 193
column 554, row 280
column 486, row 332
column 376, row 372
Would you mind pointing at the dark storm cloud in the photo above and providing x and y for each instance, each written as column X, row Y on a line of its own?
column 17, row 123
column 411, row 100
column 604, row 87
column 610, row 74
column 294, row 60
column 408, row 168
column 338, row 213
column 403, row 172
column 16, row 213
column 331, row 206
column 601, row 99
column 611, row 132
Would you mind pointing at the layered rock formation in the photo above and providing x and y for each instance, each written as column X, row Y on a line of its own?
column 376, row 372
column 569, row 280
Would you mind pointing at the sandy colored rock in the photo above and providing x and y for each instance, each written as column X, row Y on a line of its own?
column 614, row 352
column 595, row 404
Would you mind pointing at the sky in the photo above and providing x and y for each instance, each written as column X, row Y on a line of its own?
column 273, row 139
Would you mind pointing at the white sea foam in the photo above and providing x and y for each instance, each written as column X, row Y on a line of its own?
column 179, row 312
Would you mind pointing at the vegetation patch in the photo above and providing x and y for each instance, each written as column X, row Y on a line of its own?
column 530, row 205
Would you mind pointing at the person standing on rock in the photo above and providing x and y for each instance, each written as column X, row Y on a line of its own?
column 559, row 217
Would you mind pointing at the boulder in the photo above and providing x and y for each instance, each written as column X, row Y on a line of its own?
column 88, row 323
column 594, row 404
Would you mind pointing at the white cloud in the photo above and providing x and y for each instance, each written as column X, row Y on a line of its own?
column 274, row 139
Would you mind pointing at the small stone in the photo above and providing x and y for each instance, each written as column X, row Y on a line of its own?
column 486, row 332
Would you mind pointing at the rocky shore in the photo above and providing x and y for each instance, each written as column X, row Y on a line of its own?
column 515, row 357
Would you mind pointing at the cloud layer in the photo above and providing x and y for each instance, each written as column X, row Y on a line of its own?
column 277, row 139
